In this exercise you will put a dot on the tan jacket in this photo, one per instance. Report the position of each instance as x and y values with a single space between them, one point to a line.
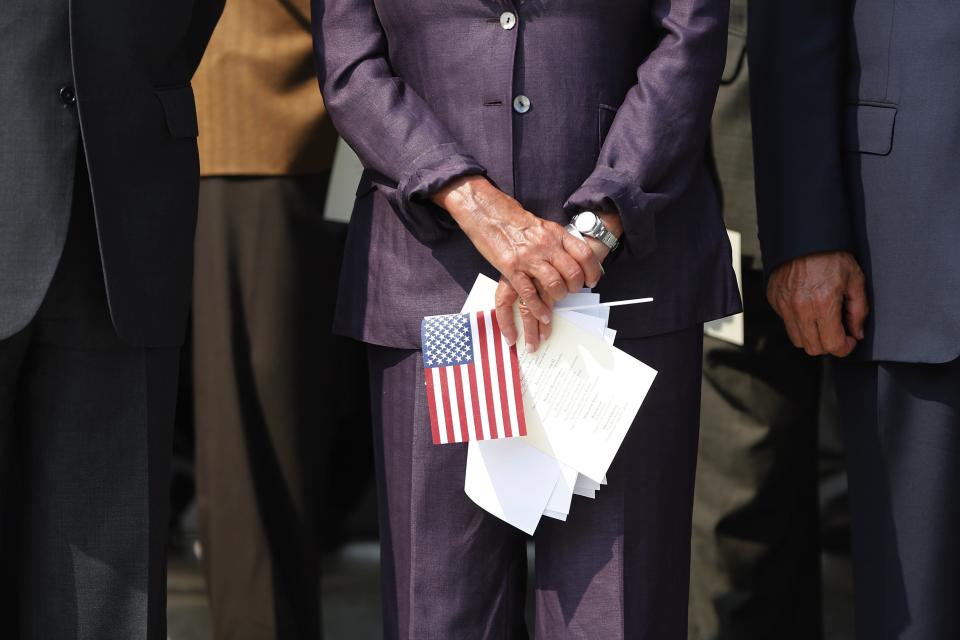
258 102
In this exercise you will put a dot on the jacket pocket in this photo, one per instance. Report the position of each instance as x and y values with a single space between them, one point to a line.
869 128
605 116
180 110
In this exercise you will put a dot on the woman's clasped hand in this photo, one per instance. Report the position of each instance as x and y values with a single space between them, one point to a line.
539 261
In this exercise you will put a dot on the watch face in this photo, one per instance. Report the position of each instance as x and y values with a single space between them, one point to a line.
586 221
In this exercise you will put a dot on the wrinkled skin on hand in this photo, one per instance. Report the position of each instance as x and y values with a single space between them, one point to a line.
540 262
822 300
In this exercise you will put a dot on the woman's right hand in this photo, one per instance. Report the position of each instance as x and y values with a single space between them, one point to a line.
539 259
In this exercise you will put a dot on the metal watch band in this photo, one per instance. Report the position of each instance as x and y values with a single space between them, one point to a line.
599 231
607 238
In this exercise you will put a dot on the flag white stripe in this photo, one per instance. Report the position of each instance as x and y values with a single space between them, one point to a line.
438 401
495 383
454 405
481 385
468 401
511 397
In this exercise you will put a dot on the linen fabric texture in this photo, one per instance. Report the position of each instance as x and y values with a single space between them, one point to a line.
423 93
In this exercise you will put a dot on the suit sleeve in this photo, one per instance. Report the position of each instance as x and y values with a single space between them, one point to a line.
797 51
392 129
659 135
206 13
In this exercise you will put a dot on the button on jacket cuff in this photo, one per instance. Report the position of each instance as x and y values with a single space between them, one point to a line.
609 190
427 174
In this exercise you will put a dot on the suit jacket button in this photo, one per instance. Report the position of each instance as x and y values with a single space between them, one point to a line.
67 95
521 104
508 20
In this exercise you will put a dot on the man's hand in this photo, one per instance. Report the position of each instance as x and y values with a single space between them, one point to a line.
539 260
822 300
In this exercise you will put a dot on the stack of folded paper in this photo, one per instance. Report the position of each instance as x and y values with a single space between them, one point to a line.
579 397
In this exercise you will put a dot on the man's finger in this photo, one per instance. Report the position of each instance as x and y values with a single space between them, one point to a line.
531 329
834 339
505 297
856 308
544 329
583 254
805 312
786 314
793 331
550 281
569 270
529 297
810 335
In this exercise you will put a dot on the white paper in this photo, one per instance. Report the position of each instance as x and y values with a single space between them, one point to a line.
562 494
730 329
609 336
507 478
580 397
511 480
590 323
584 297
585 486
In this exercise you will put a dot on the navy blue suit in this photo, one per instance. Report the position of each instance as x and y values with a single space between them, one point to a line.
856 109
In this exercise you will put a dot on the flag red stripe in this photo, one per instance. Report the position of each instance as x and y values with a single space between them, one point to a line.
484 358
515 365
498 350
445 395
475 401
464 429
432 405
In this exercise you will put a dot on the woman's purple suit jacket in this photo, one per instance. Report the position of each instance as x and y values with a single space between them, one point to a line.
619 101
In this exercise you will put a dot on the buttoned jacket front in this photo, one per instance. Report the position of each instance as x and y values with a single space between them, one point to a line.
113 80
564 104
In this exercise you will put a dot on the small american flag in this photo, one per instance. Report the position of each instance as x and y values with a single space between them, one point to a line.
473 379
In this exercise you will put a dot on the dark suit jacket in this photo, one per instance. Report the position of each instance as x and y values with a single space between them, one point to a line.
620 100
130 64
856 108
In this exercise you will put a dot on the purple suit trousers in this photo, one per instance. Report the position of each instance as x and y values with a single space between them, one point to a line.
617 569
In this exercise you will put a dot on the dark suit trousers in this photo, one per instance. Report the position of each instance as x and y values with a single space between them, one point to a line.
756 524
617 568
902 424
273 390
85 440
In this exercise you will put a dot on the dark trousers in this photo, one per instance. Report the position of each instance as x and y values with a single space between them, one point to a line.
85 437
273 390
902 425
617 568
756 532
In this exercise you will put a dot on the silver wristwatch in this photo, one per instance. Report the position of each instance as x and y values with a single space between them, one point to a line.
589 224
